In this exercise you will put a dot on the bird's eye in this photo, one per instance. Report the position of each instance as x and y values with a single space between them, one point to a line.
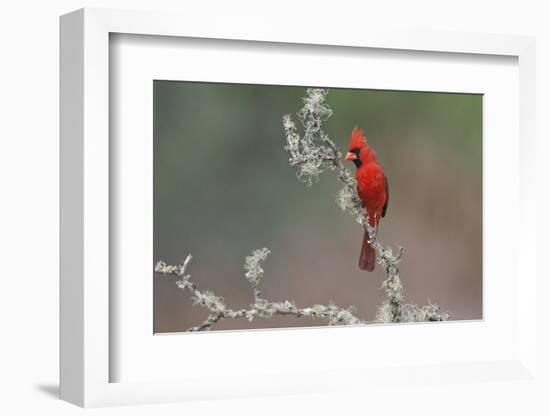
356 151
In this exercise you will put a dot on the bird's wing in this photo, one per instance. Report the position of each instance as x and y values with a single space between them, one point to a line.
385 207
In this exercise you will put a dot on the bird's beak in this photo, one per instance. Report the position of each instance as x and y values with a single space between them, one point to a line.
350 156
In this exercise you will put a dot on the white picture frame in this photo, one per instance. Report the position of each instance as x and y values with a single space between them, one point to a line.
86 355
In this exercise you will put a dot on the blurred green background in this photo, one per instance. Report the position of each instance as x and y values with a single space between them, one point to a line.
222 187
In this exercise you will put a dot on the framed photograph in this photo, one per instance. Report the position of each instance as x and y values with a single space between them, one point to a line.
244 206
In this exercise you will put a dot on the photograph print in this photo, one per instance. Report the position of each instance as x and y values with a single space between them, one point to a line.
295 206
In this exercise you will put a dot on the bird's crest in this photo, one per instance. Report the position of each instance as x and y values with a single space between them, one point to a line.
358 139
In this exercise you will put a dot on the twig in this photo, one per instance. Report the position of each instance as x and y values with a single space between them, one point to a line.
261 308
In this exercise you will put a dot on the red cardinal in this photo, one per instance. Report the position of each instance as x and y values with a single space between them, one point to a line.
372 187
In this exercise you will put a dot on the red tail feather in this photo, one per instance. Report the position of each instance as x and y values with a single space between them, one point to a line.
367 258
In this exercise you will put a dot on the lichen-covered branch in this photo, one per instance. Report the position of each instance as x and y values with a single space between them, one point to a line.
261 308
312 154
